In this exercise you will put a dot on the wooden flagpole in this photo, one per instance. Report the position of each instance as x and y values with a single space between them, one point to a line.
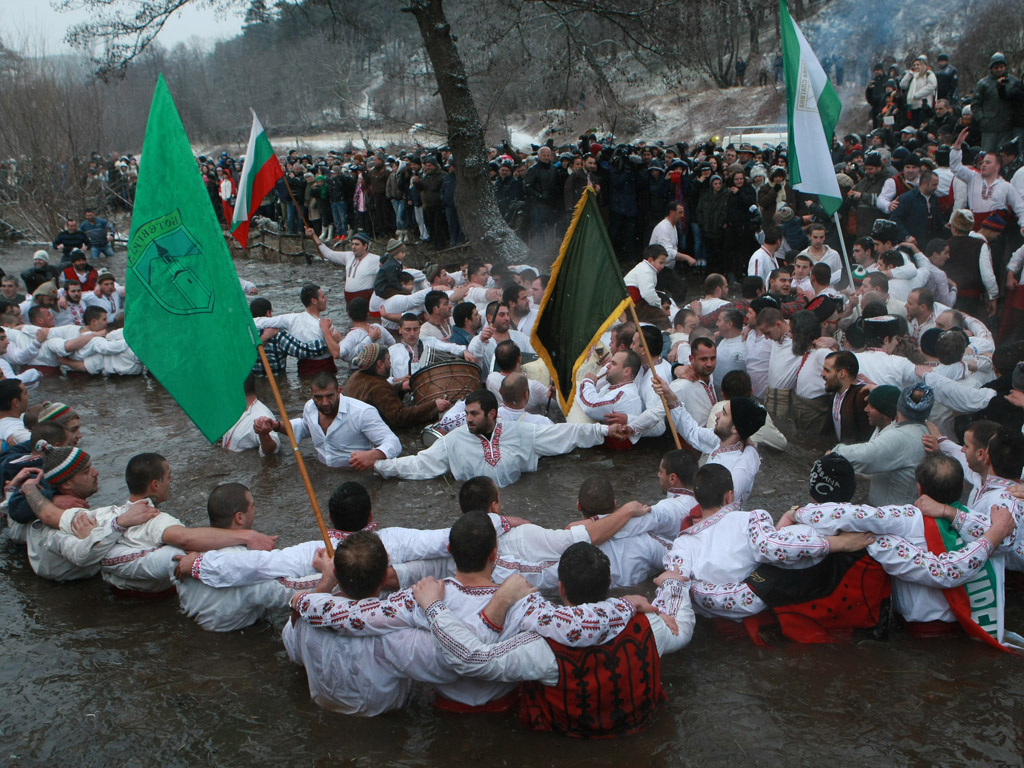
650 359
287 424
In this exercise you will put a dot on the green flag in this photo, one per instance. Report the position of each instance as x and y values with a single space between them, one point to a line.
185 314
584 297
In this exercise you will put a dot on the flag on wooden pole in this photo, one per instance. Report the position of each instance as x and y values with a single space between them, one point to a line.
813 109
585 295
186 317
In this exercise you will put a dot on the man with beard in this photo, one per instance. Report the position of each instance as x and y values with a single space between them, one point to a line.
71 308
865 193
850 398
502 450
345 432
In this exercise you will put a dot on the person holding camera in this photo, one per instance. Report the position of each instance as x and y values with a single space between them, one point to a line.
996 98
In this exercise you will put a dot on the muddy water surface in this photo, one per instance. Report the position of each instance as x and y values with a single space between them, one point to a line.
87 678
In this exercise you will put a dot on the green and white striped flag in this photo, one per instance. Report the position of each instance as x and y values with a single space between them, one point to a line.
813 110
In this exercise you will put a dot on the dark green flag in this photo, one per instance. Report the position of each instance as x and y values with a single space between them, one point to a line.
584 297
185 314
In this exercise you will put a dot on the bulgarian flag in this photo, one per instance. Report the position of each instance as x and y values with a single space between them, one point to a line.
259 175
813 110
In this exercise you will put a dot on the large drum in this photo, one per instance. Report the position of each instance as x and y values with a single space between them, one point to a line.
452 381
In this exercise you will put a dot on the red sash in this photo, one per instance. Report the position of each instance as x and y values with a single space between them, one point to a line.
502 704
603 691
634 293
349 295
856 603
308 367
957 597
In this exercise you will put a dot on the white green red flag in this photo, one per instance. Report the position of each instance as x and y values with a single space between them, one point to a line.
259 174
813 109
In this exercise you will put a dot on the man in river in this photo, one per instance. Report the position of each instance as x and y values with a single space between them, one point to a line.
345 432
488 445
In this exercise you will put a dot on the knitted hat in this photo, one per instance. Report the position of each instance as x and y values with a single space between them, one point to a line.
994 222
394 246
832 479
361 237
41 256
884 399
873 158
920 410
61 463
53 411
1017 378
913 160
785 213
748 415
430 271
78 255
368 356
859 273
962 220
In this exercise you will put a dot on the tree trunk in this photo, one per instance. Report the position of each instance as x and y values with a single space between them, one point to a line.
478 210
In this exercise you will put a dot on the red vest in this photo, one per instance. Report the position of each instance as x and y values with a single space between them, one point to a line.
856 602
603 691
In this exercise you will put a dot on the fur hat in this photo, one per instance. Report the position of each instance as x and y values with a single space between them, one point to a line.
962 220
885 230
49 288
748 415
832 479
881 327
824 307
765 302
929 340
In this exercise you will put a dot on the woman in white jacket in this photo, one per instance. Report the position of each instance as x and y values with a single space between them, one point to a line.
920 85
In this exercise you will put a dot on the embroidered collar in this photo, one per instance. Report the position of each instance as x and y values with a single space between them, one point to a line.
992 482
492 448
676 492
336 534
726 449
704 523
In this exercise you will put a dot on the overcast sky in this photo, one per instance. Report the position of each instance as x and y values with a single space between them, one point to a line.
36 23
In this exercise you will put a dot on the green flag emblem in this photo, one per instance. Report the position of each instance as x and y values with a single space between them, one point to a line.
185 314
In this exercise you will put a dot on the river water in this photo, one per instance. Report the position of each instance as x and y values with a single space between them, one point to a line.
88 678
